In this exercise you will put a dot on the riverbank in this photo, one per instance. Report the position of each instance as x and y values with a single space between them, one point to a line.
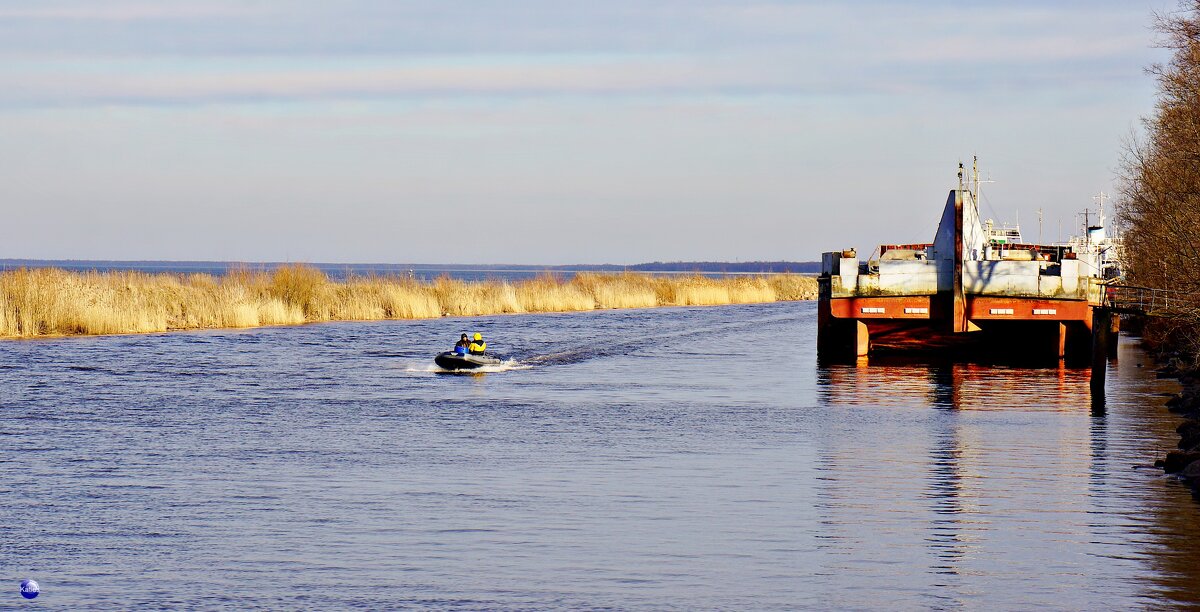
54 302
1185 462
1171 343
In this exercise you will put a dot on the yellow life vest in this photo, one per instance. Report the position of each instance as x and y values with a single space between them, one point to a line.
477 348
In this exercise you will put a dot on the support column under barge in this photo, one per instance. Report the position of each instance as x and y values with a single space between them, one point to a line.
972 292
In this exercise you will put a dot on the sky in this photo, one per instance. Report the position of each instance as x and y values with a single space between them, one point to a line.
549 131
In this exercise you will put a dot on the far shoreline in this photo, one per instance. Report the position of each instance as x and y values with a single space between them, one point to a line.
44 337
49 303
427 271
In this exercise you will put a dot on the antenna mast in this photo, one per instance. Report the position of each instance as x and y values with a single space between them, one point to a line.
975 173
978 184
1100 199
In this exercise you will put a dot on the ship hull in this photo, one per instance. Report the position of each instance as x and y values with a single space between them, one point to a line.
1001 327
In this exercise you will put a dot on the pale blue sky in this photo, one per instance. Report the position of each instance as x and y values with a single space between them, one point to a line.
549 132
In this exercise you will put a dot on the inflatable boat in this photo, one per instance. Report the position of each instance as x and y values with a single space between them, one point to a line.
451 360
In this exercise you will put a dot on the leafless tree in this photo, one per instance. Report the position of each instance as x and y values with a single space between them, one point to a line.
1160 184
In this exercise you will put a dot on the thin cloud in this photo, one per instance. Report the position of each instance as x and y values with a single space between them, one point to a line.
128 12
917 71
78 54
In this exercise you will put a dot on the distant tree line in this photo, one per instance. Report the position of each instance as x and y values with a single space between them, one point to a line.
342 269
757 267
1160 186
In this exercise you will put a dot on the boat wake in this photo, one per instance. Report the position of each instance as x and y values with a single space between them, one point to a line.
556 354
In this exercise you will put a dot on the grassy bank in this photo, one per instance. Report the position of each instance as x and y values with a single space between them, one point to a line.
50 302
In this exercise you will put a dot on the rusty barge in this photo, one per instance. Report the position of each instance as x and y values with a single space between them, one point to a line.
975 290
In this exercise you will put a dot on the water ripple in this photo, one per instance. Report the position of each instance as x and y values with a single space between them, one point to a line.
668 459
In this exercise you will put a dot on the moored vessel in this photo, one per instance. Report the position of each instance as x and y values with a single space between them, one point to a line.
976 288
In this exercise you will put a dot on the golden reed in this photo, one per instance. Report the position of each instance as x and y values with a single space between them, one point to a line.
52 302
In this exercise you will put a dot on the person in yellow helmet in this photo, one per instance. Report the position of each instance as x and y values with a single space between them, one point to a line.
478 346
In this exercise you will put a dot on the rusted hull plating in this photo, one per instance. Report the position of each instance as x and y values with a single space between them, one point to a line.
1011 327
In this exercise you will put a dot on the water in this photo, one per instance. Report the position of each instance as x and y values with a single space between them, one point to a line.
667 459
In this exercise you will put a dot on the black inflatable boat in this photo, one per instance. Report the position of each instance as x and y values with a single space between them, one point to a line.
455 361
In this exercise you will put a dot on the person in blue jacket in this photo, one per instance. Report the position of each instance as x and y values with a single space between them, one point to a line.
463 345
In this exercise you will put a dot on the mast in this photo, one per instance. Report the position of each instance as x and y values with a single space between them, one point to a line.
975 174
1100 199
977 183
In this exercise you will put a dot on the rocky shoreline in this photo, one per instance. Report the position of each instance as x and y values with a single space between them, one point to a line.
1185 462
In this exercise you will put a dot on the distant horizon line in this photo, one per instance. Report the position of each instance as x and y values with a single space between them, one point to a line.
8 262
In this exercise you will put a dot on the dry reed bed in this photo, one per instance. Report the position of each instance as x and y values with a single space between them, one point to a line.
51 302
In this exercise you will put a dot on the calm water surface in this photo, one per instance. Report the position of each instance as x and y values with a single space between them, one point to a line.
666 459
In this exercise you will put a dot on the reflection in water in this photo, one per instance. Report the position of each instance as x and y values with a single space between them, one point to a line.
1024 476
963 386
944 490
680 461
1177 570
1167 529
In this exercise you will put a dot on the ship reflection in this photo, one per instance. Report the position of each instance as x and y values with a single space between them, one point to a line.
998 470
957 464
884 381
948 541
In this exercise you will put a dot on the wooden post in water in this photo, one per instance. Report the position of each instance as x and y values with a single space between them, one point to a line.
1101 332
